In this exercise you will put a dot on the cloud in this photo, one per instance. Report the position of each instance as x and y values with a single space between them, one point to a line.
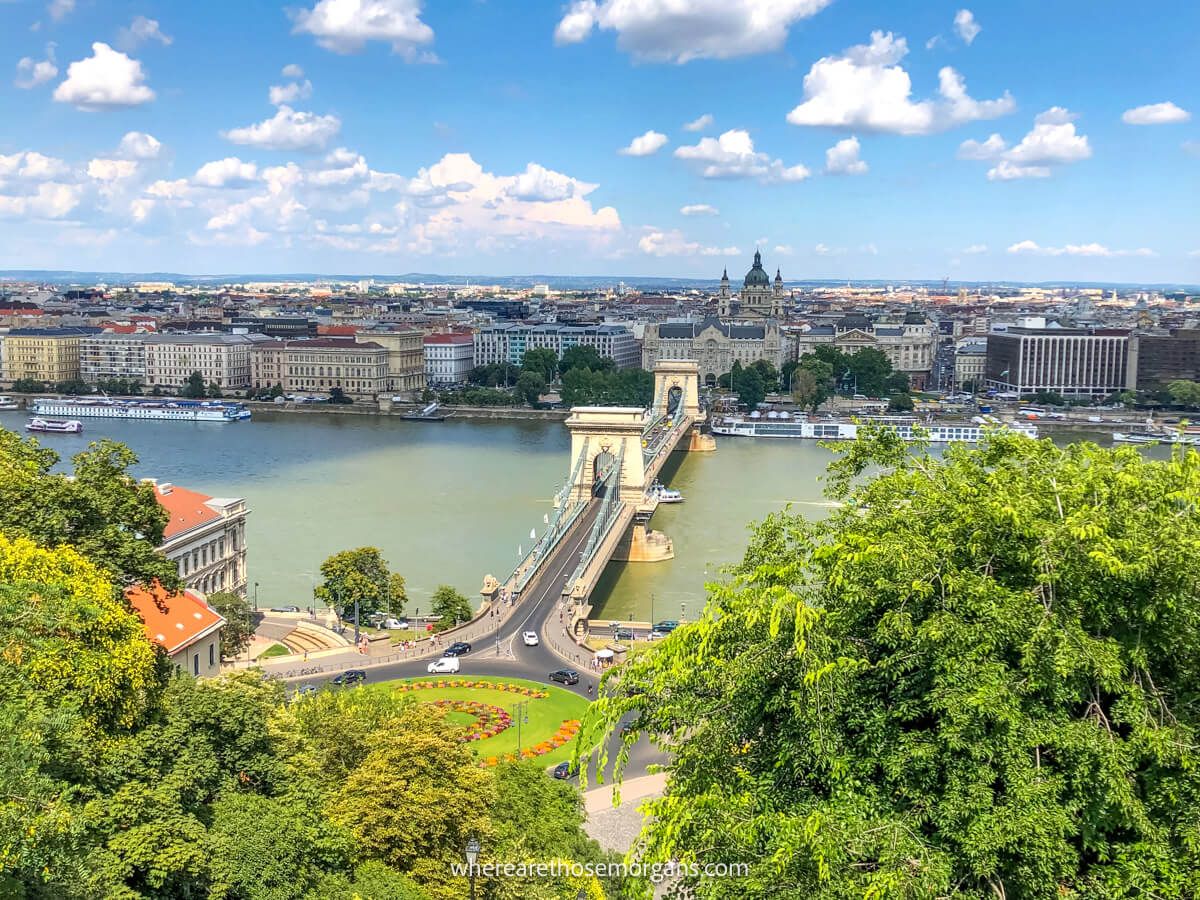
699 209
975 249
699 124
966 26
732 155
287 130
540 184
645 144
138 145
225 173
293 71
142 30
1028 247
108 79
671 31
784 249
50 200
992 148
32 166
286 94
825 250
842 158
1053 140
60 9
112 169
33 72
656 242
1007 171
866 88
1155 114
345 26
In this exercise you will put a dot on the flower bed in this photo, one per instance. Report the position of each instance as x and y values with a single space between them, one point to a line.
406 686
489 720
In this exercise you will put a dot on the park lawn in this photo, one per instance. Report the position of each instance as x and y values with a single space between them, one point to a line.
545 714
274 650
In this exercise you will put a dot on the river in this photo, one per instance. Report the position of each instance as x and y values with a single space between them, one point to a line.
450 502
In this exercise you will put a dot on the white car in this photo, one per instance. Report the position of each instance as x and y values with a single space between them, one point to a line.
530 638
393 624
444 666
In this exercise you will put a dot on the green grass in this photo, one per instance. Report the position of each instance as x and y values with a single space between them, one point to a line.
545 714
274 650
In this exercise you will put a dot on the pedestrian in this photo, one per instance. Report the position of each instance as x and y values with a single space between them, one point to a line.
306 656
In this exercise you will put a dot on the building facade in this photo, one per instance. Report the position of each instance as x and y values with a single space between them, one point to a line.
910 345
318 365
48 355
715 345
758 298
1157 359
206 537
1073 362
221 359
405 358
970 363
449 359
509 343
103 356
185 626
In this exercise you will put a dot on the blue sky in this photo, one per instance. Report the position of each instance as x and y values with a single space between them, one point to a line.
1001 140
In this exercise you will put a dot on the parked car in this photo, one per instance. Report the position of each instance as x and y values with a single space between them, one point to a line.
350 676
623 634
458 648
565 770
666 626
394 624
445 666
565 676
306 689
285 609
530 638
656 635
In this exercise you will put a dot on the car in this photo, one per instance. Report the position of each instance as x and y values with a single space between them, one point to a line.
623 634
530 638
565 676
288 609
392 624
565 770
444 666
656 635
666 626
350 676
458 648
306 689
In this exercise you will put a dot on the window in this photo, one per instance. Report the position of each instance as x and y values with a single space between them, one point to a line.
195 663
211 654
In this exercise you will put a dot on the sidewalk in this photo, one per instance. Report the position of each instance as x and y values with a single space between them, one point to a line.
616 828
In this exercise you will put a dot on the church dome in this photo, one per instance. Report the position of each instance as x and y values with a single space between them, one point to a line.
757 276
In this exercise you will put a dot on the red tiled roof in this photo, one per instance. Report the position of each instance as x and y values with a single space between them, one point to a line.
337 330
187 509
449 339
172 620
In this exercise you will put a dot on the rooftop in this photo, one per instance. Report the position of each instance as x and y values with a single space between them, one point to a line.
172 621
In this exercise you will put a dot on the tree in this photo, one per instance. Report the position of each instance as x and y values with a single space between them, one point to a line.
452 606
542 361
214 390
397 594
276 390
28 386
871 369
355 575
194 387
238 629
900 402
585 356
1184 393
101 510
750 388
530 386
970 386
768 373
977 678
337 395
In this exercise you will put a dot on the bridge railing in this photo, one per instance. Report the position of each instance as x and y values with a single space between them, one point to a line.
565 513
610 510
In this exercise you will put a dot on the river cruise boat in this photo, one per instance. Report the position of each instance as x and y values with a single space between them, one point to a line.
1152 437
54 426
167 408
9 403
664 494
832 430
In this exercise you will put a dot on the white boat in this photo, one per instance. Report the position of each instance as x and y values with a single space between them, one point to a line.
169 409
830 430
9 403
55 426
664 494
1149 437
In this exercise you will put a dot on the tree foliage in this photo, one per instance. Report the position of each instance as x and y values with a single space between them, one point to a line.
451 606
194 387
530 386
979 677
238 629
607 387
542 361
360 575
1184 393
585 356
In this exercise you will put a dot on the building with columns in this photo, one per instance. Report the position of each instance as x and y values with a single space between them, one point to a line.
206 537
758 298
716 345
910 344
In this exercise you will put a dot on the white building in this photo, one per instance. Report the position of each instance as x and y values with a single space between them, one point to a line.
509 343
223 359
910 345
206 537
715 345
449 359
104 356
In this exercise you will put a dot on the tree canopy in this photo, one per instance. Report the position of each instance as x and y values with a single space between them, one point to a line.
238 629
451 606
360 575
585 356
979 677
607 387
542 361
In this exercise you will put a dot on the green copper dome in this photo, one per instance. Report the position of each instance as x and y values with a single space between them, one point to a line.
757 277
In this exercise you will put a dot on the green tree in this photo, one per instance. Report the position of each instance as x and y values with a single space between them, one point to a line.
530 386
812 383
900 402
100 510
871 370
238 629
750 388
355 575
542 361
451 606
397 594
214 390
584 356
977 678
74 386
337 395
276 390
28 386
194 388
1184 393
768 373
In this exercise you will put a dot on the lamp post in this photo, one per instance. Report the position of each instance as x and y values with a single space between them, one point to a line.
256 596
682 611
472 854
521 714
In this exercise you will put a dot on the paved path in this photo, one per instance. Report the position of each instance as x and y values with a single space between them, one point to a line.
617 827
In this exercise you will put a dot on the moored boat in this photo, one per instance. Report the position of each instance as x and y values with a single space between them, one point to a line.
9 403
833 430
168 409
1153 437
664 494
54 426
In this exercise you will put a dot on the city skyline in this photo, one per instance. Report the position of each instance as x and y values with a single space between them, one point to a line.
983 143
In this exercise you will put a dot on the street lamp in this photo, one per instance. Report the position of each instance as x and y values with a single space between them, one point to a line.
256 596
682 611
472 853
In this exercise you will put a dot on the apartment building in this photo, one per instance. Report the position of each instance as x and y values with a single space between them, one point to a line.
1035 356
206 537
318 365
970 362
910 344
509 343
449 359
103 356
223 359
48 355
405 357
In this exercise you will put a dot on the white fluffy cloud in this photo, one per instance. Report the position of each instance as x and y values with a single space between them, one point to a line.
345 26
732 155
288 129
228 172
32 72
975 249
60 9
142 30
286 94
49 200
699 209
866 88
842 158
966 26
674 31
1034 249
645 144
108 79
699 123
32 166
292 70
139 145
657 242
1053 140
992 148
1155 114
112 169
